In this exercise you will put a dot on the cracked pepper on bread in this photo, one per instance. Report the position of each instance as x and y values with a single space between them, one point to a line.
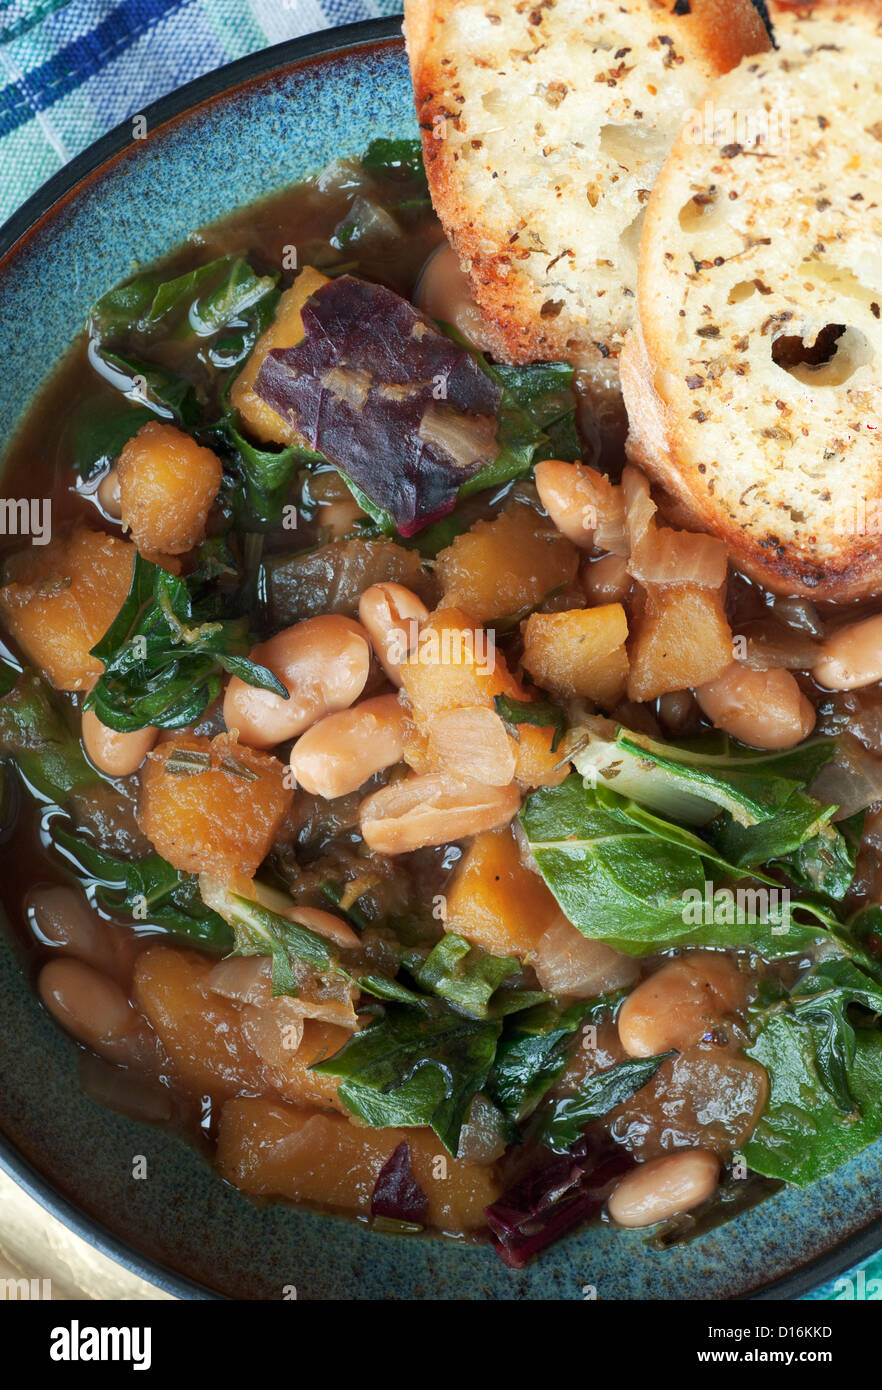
544 126
753 381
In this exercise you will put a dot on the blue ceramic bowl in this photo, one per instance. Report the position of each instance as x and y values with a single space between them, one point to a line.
217 144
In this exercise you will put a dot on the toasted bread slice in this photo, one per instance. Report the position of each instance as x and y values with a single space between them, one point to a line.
544 126
754 381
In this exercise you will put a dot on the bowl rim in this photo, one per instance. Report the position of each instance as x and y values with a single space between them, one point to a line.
39 207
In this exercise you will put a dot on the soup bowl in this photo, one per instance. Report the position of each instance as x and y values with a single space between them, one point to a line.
222 142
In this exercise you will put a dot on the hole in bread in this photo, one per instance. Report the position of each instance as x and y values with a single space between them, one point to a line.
703 211
631 146
830 358
743 290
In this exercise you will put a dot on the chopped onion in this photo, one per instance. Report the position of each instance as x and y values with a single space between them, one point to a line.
798 613
661 555
568 963
466 439
852 781
769 644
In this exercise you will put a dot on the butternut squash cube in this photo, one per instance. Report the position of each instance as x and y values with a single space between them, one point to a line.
580 652
212 805
167 483
537 765
271 1149
198 1029
681 639
496 902
502 566
61 599
285 330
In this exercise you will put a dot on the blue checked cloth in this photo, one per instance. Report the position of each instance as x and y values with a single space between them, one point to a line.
72 69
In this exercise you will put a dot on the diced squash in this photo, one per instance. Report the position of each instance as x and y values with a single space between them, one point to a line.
212 805
501 567
289 1067
496 902
61 599
580 652
537 765
167 483
454 665
199 1029
276 1150
681 639
285 330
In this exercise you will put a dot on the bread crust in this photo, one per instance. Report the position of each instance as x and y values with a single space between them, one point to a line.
529 318
785 529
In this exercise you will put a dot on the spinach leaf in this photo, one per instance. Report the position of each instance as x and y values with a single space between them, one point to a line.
149 890
163 658
542 713
827 862
534 1050
596 1096
415 1067
239 290
33 732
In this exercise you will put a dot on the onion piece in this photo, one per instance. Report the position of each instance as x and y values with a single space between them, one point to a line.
769 644
852 780
568 963
661 555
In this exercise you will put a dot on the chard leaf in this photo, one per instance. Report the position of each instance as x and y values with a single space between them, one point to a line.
163 656
99 435
415 1068
626 876
692 782
825 1073
149 890
392 157
160 390
259 932
239 290
461 973
33 732
803 1133
596 1096
266 474
542 713
534 1050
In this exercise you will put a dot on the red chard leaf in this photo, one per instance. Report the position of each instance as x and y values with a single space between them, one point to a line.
397 1194
399 408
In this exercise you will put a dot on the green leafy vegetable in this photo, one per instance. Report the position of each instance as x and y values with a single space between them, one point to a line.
825 1073
157 388
461 973
200 301
163 657
534 1050
389 157
542 713
259 932
415 1067
149 890
596 1096
46 751
99 435
628 877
